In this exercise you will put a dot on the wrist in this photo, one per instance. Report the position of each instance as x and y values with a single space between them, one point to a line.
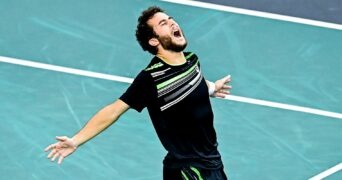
211 88
74 142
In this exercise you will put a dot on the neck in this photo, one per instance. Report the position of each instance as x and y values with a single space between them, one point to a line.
171 57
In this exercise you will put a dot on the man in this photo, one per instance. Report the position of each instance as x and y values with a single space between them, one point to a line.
176 96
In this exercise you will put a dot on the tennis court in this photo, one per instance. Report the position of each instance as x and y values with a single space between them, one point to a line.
49 51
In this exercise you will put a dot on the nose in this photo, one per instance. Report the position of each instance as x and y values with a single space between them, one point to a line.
172 23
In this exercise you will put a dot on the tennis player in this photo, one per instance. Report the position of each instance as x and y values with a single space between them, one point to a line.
176 95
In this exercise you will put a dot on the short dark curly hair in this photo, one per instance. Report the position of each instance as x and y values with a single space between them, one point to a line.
144 32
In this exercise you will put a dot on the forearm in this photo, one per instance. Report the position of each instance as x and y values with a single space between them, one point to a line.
100 121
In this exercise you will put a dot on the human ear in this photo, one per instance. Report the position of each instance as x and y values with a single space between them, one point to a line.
153 42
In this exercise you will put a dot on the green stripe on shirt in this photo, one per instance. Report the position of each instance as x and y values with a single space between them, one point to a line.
163 84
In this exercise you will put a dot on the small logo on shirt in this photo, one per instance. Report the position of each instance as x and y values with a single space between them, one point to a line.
154 66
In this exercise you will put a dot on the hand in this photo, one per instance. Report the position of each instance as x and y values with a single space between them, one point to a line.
63 148
222 88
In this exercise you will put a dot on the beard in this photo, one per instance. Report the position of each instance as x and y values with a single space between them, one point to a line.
167 43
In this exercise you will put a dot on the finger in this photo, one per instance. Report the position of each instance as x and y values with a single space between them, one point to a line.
221 95
228 77
52 153
224 92
60 160
61 138
54 157
226 87
49 147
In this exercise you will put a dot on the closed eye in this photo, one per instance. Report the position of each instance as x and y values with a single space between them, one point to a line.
162 22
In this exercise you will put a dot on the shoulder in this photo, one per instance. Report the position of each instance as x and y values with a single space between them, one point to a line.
192 58
142 76
190 55
154 64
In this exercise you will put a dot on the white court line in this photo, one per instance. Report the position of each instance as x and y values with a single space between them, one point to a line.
284 106
257 13
327 172
64 69
130 80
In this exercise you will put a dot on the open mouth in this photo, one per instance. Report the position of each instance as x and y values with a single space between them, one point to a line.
177 33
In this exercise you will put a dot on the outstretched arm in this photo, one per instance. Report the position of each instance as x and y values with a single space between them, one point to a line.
220 88
99 122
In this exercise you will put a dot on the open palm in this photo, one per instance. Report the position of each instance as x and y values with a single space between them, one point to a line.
222 88
61 149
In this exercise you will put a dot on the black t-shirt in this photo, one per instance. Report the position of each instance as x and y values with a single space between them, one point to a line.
178 103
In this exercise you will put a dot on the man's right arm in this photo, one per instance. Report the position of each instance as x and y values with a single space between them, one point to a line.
98 123
102 120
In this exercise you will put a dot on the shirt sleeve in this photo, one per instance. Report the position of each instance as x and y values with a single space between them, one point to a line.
139 93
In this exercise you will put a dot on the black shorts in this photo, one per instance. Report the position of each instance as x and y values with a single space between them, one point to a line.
193 173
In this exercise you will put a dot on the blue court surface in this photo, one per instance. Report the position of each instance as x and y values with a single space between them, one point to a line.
48 88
